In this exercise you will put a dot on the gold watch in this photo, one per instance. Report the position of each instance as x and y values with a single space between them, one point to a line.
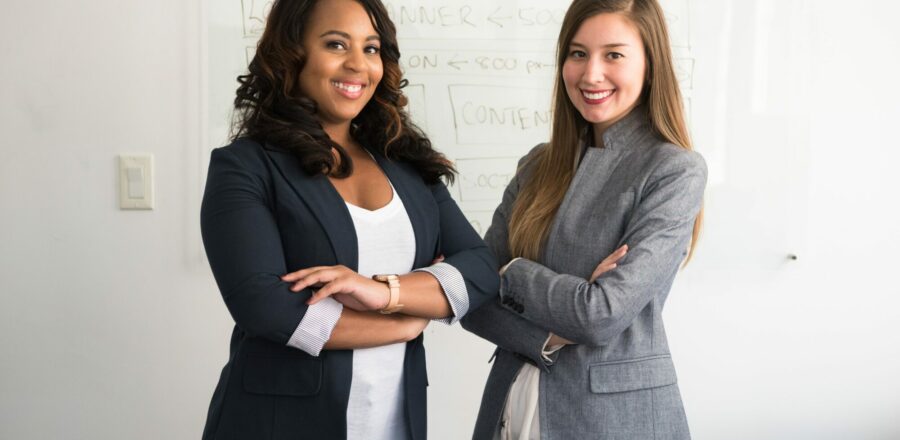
393 282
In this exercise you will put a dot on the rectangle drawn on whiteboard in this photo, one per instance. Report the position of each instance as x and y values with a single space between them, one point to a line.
255 13
523 19
250 52
677 14
684 73
484 179
492 63
500 115
415 93
479 219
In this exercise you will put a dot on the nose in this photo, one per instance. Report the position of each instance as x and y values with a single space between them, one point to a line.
355 60
594 71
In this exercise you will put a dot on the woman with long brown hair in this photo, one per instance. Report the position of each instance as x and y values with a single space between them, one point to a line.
323 221
581 349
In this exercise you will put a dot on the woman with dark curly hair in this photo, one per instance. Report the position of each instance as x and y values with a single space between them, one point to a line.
324 221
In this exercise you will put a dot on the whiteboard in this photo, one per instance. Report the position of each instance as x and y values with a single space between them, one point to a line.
782 326
480 79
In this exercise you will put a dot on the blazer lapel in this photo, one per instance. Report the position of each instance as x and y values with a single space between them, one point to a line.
407 187
325 204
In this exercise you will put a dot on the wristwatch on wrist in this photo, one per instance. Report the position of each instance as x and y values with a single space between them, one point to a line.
393 282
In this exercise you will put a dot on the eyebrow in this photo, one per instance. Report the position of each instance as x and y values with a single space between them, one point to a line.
347 36
606 46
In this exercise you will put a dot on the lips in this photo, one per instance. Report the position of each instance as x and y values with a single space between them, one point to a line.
349 89
594 97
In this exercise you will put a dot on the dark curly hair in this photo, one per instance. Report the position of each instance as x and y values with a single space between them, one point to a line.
269 106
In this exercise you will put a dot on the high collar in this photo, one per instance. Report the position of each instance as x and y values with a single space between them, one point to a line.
623 132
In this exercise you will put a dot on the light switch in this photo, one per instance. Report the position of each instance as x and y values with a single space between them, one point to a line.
136 181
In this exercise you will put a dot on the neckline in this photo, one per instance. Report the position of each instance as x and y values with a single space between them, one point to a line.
386 207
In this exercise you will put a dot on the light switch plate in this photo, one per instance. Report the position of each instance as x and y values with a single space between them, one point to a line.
136 181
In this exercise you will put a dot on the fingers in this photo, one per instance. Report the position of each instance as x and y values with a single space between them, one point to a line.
616 255
601 269
300 274
314 279
558 340
329 289
294 276
313 276
609 263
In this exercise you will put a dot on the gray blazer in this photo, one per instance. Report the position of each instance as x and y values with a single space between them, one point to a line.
618 381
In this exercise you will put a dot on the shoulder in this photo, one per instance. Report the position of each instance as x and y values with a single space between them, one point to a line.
243 163
664 158
244 149
244 153
528 159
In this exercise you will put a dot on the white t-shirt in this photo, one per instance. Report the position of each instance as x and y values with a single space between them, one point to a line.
387 244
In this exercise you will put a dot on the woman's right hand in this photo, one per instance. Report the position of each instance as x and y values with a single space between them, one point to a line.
558 340
609 263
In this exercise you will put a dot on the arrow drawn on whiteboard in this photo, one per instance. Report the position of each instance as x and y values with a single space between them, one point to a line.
494 18
454 62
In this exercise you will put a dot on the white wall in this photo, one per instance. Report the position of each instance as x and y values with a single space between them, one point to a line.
111 326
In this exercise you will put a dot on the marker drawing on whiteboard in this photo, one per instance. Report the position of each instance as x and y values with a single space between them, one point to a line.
255 13
497 115
484 179
479 62
495 17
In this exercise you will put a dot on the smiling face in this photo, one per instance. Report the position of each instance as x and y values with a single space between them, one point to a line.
343 61
604 70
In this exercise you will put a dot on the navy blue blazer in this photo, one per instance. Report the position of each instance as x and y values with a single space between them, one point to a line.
263 216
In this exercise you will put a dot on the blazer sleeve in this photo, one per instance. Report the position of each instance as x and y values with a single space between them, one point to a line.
465 251
503 327
657 235
244 249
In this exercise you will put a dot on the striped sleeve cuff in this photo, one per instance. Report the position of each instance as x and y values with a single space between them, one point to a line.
549 350
454 287
316 326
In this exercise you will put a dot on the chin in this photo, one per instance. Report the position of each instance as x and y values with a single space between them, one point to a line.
596 119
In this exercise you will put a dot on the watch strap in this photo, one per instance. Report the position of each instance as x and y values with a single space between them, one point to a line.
393 282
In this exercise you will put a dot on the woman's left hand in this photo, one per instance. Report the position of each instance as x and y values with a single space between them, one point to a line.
346 286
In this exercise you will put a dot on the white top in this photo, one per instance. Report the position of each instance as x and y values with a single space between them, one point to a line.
387 244
521 415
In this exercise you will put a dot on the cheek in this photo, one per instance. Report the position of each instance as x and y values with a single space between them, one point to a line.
375 67
377 74
569 75
639 77
311 75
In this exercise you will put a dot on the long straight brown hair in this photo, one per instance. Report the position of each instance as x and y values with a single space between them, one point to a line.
552 167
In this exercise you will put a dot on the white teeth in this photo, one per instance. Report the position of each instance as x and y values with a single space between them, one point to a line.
352 88
600 95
